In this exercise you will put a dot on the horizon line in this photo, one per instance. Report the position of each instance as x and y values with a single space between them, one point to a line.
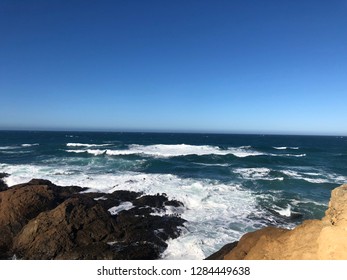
172 132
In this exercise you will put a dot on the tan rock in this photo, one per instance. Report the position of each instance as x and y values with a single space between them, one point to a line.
324 239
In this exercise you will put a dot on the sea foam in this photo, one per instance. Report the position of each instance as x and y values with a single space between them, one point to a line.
86 145
127 205
260 173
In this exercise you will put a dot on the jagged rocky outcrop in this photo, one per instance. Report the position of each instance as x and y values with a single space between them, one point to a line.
39 220
324 239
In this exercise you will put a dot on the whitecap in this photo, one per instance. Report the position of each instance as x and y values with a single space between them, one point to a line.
308 201
30 145
337 179
94 152
14 152
258 173
161 150
213 164
315 178
286 212
244 151
8 147
292 155
86 145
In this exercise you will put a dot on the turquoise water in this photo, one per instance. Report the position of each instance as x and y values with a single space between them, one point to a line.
230 184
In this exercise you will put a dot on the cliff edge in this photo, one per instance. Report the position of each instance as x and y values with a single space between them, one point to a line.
324 239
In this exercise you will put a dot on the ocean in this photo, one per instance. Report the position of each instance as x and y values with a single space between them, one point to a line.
229 184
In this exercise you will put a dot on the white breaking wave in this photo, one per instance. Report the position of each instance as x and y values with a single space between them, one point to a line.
15 152
259 173
316 178
212 164
8 147
307 201
89 151
30 145
86 145
162 150
245 151
287 212
291 155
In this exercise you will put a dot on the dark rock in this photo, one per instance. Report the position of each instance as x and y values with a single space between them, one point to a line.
174 203
3 175
136 251
93 251
124 195
156 201
147 228
109 200
296 216
3 185
137 211
219 255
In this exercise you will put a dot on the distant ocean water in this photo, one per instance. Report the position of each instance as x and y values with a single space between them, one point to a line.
229 184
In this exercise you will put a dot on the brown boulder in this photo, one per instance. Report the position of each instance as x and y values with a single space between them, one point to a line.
21 203
76 223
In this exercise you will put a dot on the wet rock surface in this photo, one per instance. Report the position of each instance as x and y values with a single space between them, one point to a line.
39 220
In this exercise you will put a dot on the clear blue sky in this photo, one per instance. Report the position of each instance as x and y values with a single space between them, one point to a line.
220 66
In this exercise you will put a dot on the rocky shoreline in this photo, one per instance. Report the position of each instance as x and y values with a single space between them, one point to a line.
40 220
324 239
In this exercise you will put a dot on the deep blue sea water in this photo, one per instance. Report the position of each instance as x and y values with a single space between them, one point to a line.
229 184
